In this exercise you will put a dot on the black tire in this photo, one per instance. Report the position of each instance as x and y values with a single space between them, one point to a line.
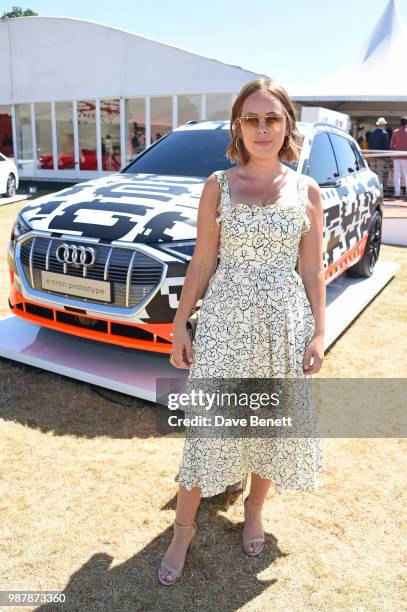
365 266
11 186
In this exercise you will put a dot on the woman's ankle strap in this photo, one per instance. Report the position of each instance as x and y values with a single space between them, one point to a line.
250 502
183 525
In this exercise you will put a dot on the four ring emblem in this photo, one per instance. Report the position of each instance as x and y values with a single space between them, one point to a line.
75 254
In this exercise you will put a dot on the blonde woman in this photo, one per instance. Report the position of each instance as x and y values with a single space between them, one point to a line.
259 318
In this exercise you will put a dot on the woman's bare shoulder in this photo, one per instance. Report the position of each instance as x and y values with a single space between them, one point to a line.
314 190
314 195
211 186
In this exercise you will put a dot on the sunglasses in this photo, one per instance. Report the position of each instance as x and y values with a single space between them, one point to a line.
273 120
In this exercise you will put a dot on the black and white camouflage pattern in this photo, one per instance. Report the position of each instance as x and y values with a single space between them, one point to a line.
131 207
149 209
348 209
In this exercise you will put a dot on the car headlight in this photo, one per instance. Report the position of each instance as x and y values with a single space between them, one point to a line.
183 248
19 228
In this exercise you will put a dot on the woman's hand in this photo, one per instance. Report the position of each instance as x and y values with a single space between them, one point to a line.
181 356
315 349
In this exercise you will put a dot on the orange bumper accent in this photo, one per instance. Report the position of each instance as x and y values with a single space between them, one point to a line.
158 331
346 261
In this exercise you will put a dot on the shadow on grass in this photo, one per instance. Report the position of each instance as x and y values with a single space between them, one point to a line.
48 402
216 571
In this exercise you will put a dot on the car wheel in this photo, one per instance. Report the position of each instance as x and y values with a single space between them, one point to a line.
366 265
11 186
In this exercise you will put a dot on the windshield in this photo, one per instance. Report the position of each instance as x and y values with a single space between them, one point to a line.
186 153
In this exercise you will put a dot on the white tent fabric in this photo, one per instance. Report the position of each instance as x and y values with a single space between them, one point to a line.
62 58
376 72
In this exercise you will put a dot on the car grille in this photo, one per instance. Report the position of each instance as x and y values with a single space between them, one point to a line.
112 264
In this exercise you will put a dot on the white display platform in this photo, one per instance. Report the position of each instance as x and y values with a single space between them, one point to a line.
346 297
15 198
394 231
135 372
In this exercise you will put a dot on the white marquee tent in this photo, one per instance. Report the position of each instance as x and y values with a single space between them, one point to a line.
58 58
373 81
67 84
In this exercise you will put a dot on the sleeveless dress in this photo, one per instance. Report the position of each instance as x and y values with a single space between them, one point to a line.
255 322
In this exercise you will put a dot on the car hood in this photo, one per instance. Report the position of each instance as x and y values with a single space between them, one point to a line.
129 207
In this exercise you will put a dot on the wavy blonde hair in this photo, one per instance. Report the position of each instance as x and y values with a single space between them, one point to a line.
290 151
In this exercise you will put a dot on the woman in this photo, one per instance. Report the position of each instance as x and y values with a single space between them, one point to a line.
259 318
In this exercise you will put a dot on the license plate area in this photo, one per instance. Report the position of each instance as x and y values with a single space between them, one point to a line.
67 284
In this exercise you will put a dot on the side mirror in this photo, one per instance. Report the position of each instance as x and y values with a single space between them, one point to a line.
333 183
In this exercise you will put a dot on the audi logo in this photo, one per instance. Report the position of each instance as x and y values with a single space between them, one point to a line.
75 255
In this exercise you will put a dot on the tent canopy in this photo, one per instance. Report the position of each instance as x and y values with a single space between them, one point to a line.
376 73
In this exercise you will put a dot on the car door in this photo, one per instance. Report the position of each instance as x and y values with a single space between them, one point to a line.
352 190
322 166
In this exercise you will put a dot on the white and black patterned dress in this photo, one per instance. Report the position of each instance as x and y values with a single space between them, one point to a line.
255 322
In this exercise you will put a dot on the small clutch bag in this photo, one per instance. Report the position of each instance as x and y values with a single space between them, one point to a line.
192 323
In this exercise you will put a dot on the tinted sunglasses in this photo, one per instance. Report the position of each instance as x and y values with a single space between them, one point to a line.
272 120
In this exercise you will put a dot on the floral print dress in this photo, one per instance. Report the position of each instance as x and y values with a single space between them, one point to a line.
255 322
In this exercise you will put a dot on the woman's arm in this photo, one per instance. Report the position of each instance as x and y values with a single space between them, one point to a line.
204 259
200 269
311 269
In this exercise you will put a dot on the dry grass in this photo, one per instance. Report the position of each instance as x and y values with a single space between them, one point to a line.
88 495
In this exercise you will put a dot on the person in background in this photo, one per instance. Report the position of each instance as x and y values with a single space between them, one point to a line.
135 141
142 142
362 141
398 142
378 140
7 141
7 145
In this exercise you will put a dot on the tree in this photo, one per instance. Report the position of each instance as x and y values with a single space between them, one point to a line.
17 11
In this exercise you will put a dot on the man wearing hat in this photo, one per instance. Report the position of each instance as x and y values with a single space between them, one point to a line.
378 139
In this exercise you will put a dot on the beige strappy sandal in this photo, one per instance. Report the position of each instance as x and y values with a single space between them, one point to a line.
177 571
260 539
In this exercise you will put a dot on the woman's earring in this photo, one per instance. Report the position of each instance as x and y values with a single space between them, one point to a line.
237 145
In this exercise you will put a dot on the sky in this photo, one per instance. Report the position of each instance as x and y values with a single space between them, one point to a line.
298 42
